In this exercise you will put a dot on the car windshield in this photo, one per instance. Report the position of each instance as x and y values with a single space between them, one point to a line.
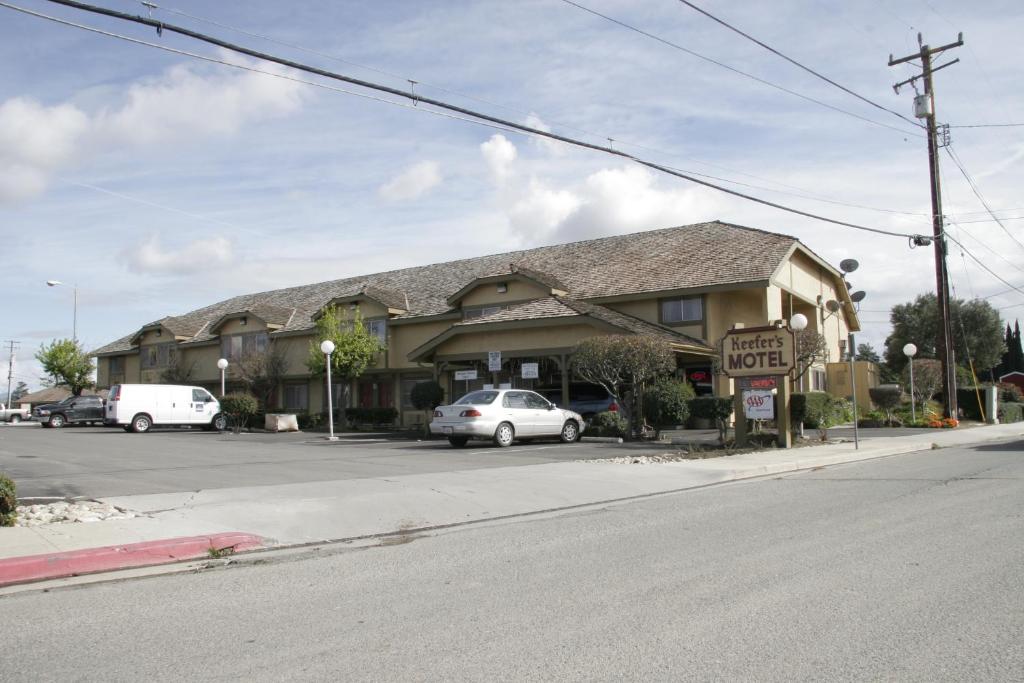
478 398
69 399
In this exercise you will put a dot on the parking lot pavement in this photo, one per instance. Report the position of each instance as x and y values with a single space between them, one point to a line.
93 462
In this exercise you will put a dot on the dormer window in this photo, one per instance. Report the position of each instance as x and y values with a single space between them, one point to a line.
481 311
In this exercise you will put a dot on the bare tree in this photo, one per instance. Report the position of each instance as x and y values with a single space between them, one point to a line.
261 372
811 347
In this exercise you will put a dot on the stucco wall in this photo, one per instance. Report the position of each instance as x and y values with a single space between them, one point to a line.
518 290
402 339
539 338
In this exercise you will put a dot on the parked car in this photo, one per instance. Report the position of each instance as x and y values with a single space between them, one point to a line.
72 410
138 407
586 399
13 415
504 415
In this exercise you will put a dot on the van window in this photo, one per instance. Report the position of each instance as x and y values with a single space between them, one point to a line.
199 395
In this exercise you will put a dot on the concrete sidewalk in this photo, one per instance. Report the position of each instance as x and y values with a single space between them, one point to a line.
292 514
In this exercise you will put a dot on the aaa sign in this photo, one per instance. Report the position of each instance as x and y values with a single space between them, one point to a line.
758 351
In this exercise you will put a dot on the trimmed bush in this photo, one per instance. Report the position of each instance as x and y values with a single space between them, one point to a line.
1011 412
888 397
807 407
666 404
426 396
608 423
8 501
718 409
239 409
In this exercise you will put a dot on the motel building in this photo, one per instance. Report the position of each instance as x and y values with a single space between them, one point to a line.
688 285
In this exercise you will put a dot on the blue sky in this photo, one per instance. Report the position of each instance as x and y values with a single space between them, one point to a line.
158 182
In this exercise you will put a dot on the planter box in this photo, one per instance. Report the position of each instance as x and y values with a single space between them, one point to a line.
281 422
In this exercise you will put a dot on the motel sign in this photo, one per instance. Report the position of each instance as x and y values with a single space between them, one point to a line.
758 351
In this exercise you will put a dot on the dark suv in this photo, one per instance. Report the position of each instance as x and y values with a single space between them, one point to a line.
73 409
586 399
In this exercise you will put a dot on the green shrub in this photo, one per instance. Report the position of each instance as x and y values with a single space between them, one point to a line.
888 397
666 403
1010 393
239 408
309 420
426 396
608 423
718 409
808 407
1011 412
8 501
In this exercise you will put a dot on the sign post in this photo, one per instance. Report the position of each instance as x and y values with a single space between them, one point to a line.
761 359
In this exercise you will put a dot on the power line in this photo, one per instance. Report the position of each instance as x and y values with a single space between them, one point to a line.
991 125
688 51
474 117
986 268
977 193
798 64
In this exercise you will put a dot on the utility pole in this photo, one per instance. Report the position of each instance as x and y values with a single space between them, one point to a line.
924 107
11 345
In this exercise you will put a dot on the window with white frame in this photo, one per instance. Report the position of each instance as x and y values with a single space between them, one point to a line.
684 310
234 346
818 380
157 355
377 327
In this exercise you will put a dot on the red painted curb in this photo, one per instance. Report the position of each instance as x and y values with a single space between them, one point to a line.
91 560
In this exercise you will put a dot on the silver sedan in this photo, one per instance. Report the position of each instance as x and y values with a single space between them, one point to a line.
504 415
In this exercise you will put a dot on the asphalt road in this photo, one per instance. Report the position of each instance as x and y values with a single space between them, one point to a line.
905 568
98 462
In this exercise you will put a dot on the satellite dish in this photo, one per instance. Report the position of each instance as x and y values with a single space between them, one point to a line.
832 305
848 265
857 297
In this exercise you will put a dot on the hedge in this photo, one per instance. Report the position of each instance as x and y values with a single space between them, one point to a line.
967 401
806 407
1011 412
8 501
373 416
608 423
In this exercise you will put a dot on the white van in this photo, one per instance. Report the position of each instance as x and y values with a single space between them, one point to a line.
137 407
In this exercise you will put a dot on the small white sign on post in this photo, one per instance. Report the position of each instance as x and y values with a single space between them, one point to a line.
488 386
495 361
531 370
758 404
465 374
505 385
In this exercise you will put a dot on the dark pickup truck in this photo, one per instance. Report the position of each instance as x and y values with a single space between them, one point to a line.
72 410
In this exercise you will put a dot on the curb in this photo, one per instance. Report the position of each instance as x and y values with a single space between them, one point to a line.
91 560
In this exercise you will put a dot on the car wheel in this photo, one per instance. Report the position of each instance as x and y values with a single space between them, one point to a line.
56 421
570 432
219 422
458 441
504 435
141 424
15 419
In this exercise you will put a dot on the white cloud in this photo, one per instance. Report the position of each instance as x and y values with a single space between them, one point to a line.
34 141
151 257
499 154
539 211
413 182
186 103
552 147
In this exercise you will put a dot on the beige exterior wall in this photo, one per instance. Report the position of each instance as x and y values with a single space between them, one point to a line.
867 377
645 309
403 339
518 290
539 338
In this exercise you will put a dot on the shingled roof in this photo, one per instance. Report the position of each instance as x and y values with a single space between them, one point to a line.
691 256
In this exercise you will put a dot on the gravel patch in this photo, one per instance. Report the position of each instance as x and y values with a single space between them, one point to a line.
63 512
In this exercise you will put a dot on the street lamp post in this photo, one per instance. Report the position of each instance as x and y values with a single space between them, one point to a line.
910 350
223 365
327 346
74 319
